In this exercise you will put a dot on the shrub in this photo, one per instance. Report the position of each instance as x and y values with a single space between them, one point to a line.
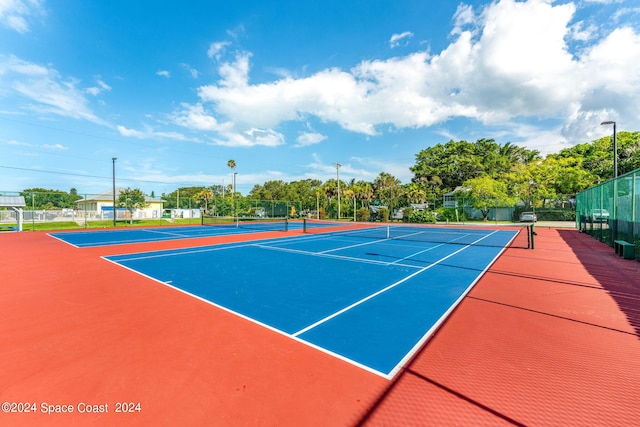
406 214
449 215
363 214
422 217
383 214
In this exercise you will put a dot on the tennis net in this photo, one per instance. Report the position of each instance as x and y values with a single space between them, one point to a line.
261 224
516 236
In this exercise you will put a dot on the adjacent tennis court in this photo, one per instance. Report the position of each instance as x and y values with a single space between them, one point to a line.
369 296
83 239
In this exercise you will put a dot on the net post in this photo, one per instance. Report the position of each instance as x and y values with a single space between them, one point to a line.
304 225
533 234
286 224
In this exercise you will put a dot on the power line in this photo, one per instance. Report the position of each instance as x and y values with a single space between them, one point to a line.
87 176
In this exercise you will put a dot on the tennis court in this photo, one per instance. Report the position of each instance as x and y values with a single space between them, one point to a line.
544 337
369 296
83 239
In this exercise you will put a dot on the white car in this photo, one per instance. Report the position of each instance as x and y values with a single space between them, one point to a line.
600 215
528 217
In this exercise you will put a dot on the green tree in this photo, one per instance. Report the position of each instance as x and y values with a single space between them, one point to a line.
132 200
204 197
42 198
597 156
386 189
443 167
363 191
485 193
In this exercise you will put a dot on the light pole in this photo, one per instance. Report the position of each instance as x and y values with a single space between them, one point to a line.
234 195
338 175
113 160
615 148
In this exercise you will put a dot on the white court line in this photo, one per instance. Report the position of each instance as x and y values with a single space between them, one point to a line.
357 303
324 254
207 248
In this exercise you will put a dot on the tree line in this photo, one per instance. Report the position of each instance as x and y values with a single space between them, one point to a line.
482 170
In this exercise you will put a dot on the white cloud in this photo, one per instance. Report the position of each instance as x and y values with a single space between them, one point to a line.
96 90
194 117
309 138
215 49
57 147
463 16
194 73
18 143
130 132
44 89
149 133
163 73
400 39
250 138
14 14
510 61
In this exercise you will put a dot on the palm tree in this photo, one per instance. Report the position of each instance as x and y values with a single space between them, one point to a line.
364 192
206 196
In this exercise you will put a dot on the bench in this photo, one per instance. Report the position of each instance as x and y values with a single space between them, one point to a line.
624 249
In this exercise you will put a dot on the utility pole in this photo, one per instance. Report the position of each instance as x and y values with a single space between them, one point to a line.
113 160
338 164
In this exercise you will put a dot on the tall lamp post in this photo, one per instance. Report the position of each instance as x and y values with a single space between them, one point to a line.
234 195
338 164
615 148
113 160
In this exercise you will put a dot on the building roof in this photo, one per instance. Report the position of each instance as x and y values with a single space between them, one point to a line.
12 201
107 196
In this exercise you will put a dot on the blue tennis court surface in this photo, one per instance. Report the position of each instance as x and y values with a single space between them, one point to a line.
371 302
83 239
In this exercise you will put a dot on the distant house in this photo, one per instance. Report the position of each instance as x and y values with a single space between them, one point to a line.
100 206
450 199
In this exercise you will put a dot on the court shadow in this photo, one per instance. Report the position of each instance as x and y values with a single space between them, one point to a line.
619 277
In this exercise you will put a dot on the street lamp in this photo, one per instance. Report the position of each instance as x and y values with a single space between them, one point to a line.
338 164
234 195
113 160
615 148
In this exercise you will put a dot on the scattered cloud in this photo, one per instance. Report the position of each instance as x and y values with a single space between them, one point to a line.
96 90
42 89
194 73
463 16
149 133
163 73
309 138
56 147
401 39
18 143
216 48
15 14
506 62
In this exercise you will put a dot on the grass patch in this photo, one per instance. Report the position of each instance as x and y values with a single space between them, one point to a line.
71 225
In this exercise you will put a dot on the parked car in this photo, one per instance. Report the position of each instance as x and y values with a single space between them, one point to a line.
600 215
528 217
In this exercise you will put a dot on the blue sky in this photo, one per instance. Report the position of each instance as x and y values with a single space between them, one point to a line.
288 88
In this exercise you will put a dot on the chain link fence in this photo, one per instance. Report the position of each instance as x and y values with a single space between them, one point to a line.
72 210
609 211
